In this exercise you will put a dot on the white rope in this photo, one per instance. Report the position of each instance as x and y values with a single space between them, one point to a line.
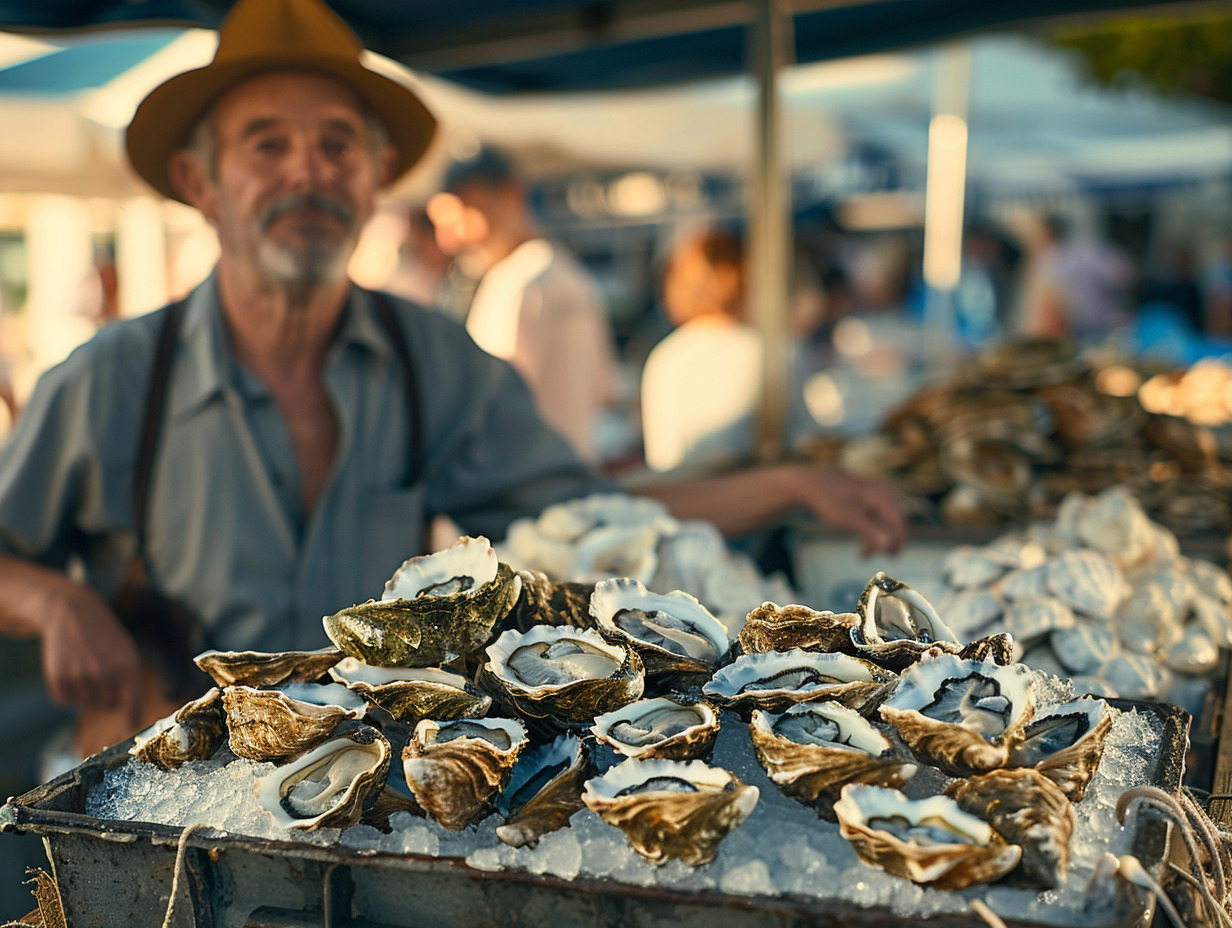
991 918
180 849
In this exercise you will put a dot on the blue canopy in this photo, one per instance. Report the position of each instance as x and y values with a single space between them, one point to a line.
561 45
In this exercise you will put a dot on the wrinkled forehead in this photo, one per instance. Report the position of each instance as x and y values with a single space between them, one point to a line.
286 96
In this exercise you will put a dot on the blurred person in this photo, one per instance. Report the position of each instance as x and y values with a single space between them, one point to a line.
422 264
232 467
702 383
1075 287
533 305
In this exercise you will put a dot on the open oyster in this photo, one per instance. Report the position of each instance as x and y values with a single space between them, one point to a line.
961 716
410 694
562 676
930 841
328 786
1065 744
672 632
434 609
773 680
267 668
269 725
897 624
771 627
662 727
671 809
193 733
628 550
543 792
1027 809
814 749
456 769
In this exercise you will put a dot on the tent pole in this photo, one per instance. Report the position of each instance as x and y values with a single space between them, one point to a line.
770 49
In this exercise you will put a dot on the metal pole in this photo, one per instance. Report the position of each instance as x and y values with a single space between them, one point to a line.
770 48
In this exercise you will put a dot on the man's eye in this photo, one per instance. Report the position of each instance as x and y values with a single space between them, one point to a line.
336 148
269 146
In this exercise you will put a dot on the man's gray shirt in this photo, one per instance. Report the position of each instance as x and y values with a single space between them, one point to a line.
226 536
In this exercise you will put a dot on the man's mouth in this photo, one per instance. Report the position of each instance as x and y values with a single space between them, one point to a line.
308 206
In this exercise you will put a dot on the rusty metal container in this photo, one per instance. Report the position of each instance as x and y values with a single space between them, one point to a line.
120 873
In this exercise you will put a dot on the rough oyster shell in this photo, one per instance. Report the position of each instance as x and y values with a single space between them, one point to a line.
1065 744
456 769
261 668
435 608
671 809
998 648
1027 809
1083 648
328 786
771 627
543 792
673 633
411 694
561 676
548 602
193 733
967 566
269 725
773 680
1087 582
813 750
961 716
662 727
617 551
897 624
1031 619
929 841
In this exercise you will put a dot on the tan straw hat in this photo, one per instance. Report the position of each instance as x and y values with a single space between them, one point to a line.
271 35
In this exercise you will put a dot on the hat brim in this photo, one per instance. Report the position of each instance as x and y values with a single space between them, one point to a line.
168 115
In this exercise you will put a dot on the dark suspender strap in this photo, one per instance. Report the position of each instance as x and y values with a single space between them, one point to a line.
152 424
410 386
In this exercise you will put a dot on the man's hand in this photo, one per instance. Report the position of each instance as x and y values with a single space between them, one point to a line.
89 658
865 507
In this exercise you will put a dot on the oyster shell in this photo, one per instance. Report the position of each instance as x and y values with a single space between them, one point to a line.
193 733
1083 648
543 792
662 727
970 611
262 668
617 551
998 648
411 694
329 785
961 716
671 809
1027 809
269 725
1087 582
813 750
456 769
1031 619
548 602
929 841
561 676
773 680
434 609
1065 744
673 633
897 624
771 627
967 566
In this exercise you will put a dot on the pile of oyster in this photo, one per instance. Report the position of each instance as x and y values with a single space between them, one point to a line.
1025 424
470 689
1101 594
613 535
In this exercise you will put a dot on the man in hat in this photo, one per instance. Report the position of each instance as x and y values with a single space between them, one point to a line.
268 451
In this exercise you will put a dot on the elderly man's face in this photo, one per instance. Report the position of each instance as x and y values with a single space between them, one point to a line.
294 176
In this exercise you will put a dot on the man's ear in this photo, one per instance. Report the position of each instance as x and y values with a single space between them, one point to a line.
190 179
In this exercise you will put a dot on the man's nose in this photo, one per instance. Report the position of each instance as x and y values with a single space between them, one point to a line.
306 163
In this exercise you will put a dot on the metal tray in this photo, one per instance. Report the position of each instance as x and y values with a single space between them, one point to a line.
120 873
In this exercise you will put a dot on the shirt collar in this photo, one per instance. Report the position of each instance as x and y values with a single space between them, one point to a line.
206 366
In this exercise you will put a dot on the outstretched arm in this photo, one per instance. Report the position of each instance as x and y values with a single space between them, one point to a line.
89 659
746 500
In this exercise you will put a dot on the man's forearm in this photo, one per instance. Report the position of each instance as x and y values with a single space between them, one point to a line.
737 503
26 587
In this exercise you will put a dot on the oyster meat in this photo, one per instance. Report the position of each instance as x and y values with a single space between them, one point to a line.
961 716
329 785
929 841
673 633
897 624
457 769
813 750
434 609
562 676
668 809
662 727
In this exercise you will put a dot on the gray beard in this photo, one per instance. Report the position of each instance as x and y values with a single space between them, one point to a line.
312 266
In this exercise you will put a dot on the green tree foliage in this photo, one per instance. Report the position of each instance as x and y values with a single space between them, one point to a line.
1176 54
